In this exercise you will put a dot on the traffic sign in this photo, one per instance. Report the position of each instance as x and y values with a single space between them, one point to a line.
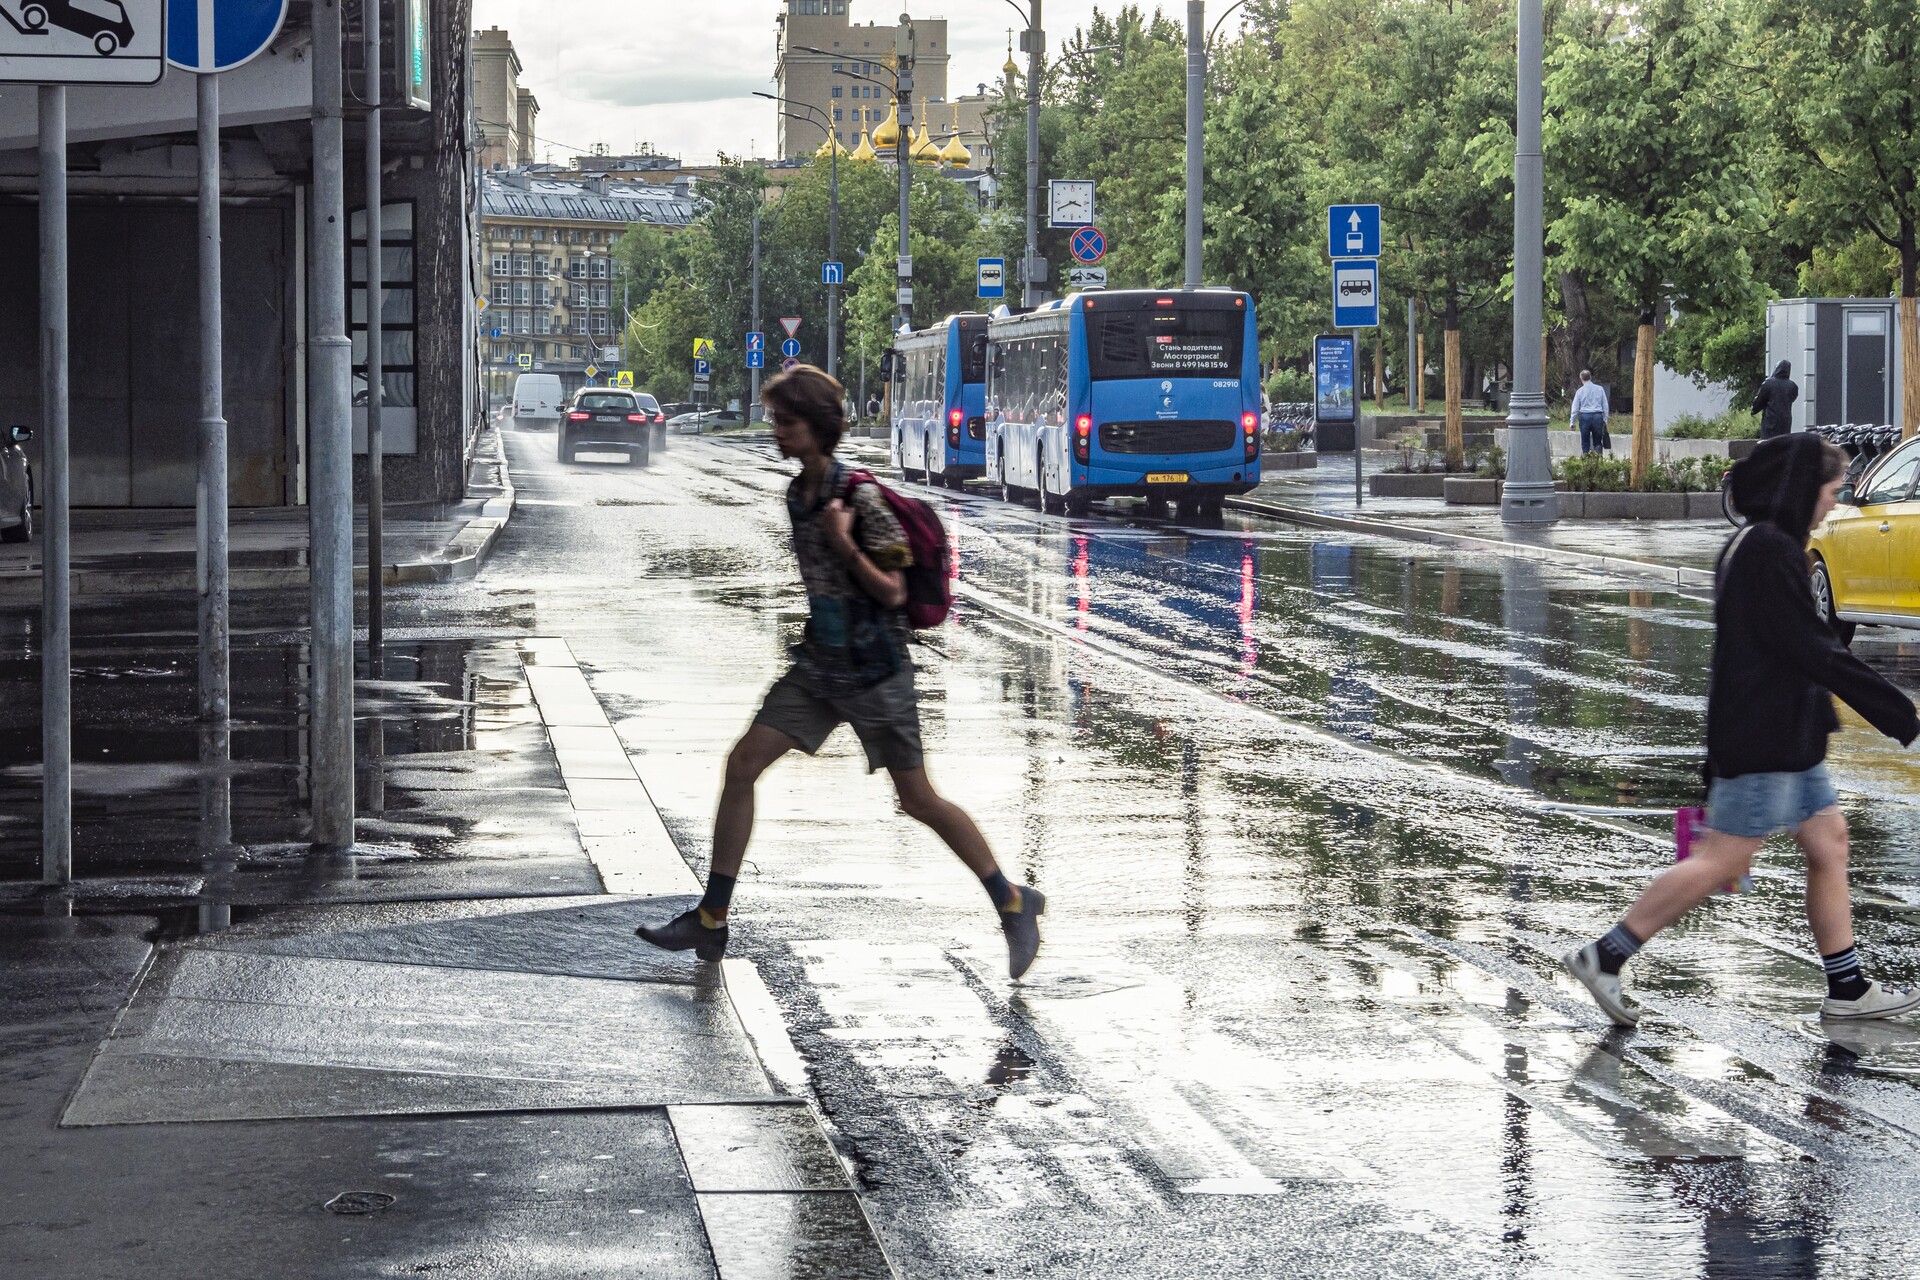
992 274
1087 277
833 273
480 303
788 363
624 378
1089 244
496 333
756 342
1356 294
524 360
790 348
756 359
791 324
58 42
593 371
219 35
1353 231
702 347
701 368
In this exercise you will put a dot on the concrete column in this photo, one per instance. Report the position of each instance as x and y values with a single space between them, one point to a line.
1528 496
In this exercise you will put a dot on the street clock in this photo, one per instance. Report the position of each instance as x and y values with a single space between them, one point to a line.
1070 202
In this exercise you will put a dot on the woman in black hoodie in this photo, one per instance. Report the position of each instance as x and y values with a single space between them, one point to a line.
1776 667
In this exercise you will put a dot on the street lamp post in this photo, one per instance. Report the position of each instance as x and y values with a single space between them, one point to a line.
903 153
1197 128
1033 268
833 217
1528 497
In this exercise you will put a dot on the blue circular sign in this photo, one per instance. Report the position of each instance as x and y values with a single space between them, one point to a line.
790 348
1089 244
219 35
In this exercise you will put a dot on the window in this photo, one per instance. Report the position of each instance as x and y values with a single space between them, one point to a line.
1890 482
395 290
599 322
502 294
522 264
836 66
542 294
539 233
836 110
579 298
502 264
1158 342
598 295
517 233
522 322
836 91
523 292
539 264
577 269
497 351
579 322
542 322
602 268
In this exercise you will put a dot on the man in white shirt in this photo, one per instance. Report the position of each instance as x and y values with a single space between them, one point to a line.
1590 413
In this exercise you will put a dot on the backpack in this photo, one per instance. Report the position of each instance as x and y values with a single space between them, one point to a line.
929 597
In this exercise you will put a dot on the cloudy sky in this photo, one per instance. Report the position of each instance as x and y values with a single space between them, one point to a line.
681 73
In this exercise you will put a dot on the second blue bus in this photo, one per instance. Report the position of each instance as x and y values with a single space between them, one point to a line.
1125 393
939 401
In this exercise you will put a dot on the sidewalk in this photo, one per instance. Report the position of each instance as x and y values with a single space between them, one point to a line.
1678 552
118 550
366 1064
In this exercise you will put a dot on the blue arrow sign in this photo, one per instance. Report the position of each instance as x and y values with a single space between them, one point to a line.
790 348
1089 244
833 273
1356 295
1353 231
701 368
219 35
756 342
756 359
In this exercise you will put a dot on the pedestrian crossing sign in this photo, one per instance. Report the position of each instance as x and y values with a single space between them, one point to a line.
624 378
524 360
702 347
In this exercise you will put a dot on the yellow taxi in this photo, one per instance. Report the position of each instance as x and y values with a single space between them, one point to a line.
1866 553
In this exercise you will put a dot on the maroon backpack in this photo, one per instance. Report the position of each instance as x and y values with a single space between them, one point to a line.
929 597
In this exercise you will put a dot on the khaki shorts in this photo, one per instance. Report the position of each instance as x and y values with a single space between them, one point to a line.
886 717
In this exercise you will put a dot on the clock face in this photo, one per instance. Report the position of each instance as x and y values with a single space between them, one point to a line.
1072 203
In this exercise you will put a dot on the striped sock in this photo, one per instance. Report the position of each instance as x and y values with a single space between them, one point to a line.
1844 979
1616 948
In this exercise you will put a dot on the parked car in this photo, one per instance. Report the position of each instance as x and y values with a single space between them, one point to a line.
537 400
674 408
609 420
16 487
1866 553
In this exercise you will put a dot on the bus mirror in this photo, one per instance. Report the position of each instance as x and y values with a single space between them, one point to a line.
980 345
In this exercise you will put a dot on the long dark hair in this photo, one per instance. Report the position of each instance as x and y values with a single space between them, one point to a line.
1780 481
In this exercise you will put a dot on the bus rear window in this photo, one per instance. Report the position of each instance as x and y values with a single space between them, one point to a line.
1162 342
973 355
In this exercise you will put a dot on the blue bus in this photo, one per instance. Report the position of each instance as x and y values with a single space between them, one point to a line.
1125 393
939 401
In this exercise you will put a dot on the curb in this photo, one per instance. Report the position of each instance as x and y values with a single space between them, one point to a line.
1619 566
462 558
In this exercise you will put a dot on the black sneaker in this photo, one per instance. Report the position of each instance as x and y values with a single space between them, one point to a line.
685 932
1022 928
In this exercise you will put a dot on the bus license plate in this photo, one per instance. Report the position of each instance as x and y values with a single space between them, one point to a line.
1166 477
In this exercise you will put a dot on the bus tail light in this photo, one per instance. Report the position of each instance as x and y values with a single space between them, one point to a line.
954 418
1082 436
1250 423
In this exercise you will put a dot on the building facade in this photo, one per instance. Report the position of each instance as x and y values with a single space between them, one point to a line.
547 244
504 113
827 81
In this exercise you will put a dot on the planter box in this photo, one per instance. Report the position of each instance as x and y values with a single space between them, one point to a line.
1629 506
1705 506
1407 484
1472 491
1301 461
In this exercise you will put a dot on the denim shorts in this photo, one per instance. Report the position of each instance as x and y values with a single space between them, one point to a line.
1756 805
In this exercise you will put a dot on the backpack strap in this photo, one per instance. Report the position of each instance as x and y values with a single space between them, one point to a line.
1725 557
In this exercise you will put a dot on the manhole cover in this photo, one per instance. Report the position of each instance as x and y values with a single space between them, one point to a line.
359 1202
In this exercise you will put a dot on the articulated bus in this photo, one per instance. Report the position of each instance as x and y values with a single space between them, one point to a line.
1141 393
939 393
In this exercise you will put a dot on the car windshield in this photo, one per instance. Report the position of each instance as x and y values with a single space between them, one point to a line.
1157 342
648 403
605 400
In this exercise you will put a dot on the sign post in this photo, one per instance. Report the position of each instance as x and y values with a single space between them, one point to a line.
51 56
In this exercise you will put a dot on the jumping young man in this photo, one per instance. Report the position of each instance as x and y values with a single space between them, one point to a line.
851 666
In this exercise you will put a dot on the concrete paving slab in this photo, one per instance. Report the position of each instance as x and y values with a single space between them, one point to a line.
643 862
756 1148
564 696
562 1195
803 1236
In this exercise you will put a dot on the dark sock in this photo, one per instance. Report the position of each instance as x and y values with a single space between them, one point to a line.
1844 979
1000 889
1616 948
719 895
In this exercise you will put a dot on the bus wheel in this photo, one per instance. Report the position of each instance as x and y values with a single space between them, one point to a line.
1187 508
1210 508
1077 503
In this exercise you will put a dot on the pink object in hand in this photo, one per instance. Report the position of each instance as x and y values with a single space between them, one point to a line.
1687 825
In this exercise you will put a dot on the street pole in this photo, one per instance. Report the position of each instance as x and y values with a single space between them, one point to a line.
903 159
210 546
833 249
56 652
1196 126
753 374
1034 273
1528 497
330 430
375 296
1411 374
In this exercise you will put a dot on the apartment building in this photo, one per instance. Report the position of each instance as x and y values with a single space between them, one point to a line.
504 112
826 80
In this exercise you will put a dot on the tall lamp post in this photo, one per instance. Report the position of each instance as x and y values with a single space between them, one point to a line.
833 217
1528 497
1033 267
1197 127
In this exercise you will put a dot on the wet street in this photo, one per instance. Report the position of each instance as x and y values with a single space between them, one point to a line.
1314 814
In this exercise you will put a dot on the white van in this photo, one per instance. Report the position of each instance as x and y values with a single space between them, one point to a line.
537 400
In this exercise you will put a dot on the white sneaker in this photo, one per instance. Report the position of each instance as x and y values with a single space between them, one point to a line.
1584 964
1881 1001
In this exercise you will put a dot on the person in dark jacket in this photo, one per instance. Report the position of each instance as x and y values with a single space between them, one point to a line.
1776 667
1774 402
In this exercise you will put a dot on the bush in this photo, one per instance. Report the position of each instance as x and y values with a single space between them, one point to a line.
1414 455
1492 464
1594 473
1603 473
1283 441
1290 386
1735 424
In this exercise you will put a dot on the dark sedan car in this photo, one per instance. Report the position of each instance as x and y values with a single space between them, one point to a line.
609 420
16 487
